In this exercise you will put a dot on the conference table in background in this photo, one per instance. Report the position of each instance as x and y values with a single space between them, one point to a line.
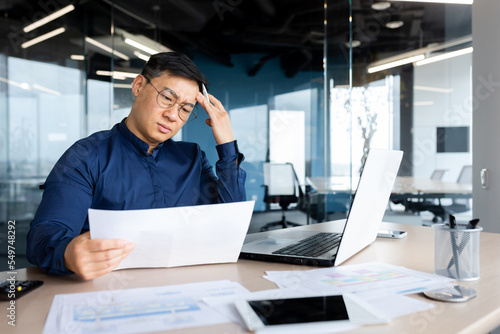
423 188
479 315
333 194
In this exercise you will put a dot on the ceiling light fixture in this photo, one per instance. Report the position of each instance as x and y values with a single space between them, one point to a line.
394 24
396 63
106 48
42 38
47 90
49 18
444 56
117 74
141 42
140 46
423 103
459 2
433 89
141 56
419 55
382 5
355 43
77 57
126 86
23 85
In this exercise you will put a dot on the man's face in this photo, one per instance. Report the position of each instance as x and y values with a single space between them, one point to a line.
152 123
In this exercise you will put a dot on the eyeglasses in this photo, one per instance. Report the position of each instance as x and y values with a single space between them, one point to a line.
167 98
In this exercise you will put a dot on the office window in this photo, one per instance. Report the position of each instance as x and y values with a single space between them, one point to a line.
363 117
251 130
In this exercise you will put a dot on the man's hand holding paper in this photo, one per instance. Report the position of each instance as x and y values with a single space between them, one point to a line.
177 236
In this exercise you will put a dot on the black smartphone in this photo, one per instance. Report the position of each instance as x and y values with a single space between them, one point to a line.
300 310
275 313
391 234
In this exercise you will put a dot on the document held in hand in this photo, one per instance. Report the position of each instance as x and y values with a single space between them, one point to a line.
180 236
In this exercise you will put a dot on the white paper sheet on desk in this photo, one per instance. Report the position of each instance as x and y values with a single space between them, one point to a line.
139 310
175 237
373 279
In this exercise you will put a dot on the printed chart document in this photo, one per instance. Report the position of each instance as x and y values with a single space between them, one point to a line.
178 236
369 280
139 310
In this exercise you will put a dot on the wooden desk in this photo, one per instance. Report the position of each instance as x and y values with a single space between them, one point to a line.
479 315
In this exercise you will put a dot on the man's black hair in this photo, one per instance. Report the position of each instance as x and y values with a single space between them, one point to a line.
175 64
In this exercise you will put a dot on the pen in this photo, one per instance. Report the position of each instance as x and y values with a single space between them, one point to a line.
205 92
454 246
465 238
472 224
453 223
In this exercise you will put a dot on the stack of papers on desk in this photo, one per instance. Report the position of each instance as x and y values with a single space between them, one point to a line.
139 310
209 303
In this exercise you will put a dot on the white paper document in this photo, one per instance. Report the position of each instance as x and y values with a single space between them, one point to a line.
368 280
178 236
139 310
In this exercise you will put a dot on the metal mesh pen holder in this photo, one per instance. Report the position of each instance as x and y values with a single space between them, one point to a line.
456 252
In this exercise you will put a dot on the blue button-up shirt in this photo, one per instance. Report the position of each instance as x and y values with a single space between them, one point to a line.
113 170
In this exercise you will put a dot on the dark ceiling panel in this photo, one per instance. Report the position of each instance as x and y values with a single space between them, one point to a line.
290 29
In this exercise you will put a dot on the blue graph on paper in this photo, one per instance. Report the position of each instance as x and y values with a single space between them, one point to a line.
117 310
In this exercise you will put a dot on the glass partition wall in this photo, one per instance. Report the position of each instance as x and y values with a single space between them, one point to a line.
411 90
301 81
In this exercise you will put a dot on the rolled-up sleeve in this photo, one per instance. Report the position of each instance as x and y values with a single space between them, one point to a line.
229 183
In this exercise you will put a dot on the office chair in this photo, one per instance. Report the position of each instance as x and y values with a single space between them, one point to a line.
458 205
282 186
417 206
438 174
432 204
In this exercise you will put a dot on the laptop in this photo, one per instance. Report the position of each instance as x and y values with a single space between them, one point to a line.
299 246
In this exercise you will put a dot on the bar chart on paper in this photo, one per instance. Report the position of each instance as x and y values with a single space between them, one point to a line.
122 310
369 279
362 277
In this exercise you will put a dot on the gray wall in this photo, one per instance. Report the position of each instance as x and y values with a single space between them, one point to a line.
486 113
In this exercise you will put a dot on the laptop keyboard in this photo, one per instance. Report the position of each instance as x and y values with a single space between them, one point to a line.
312 246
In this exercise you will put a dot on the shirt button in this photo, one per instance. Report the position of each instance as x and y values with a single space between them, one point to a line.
58 263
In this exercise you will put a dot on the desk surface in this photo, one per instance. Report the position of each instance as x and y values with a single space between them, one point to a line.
416 251
402 185
408 184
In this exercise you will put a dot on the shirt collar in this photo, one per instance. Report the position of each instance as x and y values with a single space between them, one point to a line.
135 141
